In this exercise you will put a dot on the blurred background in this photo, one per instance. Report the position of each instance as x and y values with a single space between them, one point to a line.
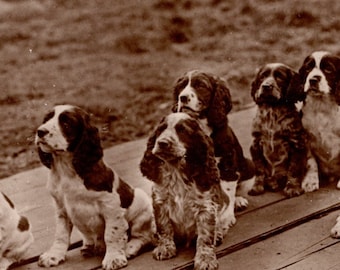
119 59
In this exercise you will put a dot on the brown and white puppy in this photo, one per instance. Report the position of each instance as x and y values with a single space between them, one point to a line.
280 147
88 194
207 98
188 199
15 234
318 86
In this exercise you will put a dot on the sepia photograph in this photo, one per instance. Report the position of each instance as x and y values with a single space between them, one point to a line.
170 134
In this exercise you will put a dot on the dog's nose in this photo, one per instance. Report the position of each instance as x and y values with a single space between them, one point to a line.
314 80
42 132
267 87
163 144
184 99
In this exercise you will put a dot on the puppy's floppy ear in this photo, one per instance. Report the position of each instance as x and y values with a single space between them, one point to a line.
295 91
150 164
337 88
291 77
177 88
221 103
88 151
255 83
200 159
45 158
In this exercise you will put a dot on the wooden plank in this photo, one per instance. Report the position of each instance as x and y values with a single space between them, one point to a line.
251 228
308 246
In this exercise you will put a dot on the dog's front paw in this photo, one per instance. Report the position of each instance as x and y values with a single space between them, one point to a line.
88 251
114 260
311 182
335 231
5 263
50 258
258 187
241 203
133 247
165 251
293 191
205 259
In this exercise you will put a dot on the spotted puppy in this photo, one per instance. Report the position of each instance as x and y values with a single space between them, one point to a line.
280 147
15 234
88 194
207 98
188 199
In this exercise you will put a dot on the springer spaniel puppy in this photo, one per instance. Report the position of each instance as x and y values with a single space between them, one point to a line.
188 199
318 86
207 97
15 234
88 194
279 149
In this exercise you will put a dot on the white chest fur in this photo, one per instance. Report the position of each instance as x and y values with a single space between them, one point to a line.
82 206
322 119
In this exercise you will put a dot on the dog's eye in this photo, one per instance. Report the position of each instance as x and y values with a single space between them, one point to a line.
328 68
280 76
180 129
48 117
309 65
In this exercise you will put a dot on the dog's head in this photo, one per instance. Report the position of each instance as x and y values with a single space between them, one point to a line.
271 84
180 142
15 233
67 130
319 76
203 95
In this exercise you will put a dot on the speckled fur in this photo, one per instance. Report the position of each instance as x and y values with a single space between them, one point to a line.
188 200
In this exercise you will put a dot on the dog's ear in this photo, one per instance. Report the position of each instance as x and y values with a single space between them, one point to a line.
87 148
177 88
45 158
295 91
291 77
200 160
337 88
221 103
150 164
255 83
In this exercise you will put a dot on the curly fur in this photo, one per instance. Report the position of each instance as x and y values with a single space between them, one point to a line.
88 194
279 149
208 98
187 196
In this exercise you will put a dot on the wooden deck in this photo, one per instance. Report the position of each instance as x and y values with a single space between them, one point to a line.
273 233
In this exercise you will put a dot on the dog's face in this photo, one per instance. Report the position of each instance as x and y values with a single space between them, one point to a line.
319 74
203 95
271 83
61 128
173 135
194 92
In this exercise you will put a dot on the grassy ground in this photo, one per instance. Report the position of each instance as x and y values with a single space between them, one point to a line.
119 59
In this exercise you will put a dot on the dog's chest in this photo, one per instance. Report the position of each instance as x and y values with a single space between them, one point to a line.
181 203
322 121
81 205
271 125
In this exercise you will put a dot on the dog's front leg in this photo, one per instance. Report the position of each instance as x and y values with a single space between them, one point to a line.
205 258
115 237
166 247
256 151
56 254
